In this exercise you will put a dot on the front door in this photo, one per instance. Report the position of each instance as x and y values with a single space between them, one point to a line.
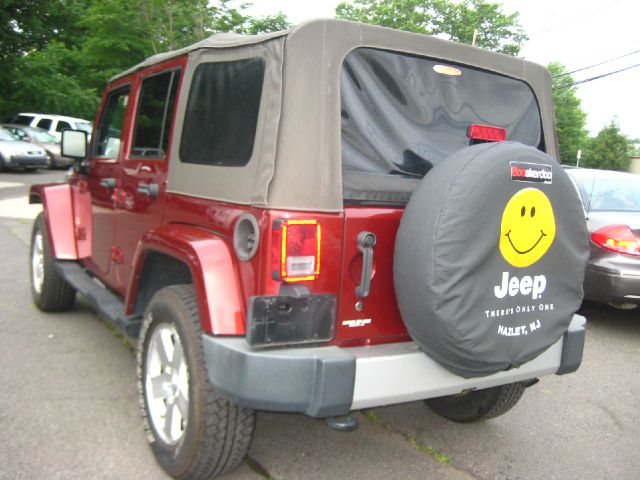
108 145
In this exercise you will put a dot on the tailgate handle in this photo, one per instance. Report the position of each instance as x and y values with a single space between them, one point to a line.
108 182
366 242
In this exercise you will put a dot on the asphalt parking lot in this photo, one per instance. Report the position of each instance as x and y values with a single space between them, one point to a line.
68 404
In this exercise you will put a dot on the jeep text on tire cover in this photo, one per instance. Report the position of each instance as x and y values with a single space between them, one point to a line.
387 203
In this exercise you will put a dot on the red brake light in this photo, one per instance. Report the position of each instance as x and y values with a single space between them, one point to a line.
616 238
296 250
487 133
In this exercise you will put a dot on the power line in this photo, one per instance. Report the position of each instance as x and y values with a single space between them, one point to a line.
596 64
567 85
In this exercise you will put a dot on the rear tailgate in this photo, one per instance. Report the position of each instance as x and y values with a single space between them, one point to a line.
373 318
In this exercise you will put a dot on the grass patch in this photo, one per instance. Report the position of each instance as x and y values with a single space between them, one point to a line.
121 337
257 468
441 458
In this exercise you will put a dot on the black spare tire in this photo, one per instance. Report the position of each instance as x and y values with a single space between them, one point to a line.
490 258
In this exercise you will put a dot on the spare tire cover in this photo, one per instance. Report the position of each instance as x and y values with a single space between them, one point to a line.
490 258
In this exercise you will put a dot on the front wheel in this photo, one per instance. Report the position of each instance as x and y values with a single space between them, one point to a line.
193 432
478 405
50 292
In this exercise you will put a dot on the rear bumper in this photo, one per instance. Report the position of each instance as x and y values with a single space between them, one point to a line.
332 381
607 285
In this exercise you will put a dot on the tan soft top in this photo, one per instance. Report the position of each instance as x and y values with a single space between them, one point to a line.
296 161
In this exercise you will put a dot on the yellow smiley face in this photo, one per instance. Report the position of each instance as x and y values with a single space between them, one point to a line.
528 227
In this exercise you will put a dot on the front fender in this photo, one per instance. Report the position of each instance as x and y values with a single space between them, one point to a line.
213 271
67 215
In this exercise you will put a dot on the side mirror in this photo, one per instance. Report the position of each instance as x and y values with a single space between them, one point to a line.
74 144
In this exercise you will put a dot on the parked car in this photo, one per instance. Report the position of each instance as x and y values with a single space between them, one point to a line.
42 138
611 203
15 153
54 124
320 220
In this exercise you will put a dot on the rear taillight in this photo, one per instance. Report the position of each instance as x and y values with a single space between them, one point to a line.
487 133
296 250
616 238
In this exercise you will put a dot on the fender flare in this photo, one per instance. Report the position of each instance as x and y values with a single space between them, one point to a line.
213 270
67 218
58 218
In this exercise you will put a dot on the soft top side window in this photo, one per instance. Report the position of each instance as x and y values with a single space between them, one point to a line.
154 115
222 113
110 127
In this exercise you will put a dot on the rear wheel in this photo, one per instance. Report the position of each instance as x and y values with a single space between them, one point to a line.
50 292
477 405
194 433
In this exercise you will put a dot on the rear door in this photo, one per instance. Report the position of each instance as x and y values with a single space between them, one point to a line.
143 173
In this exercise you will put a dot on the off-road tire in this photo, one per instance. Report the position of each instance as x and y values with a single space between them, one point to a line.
478 405
218 432
55 294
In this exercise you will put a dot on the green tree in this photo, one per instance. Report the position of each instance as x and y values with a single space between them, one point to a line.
609 150
570 118
455 20
50 81
60 63
27 26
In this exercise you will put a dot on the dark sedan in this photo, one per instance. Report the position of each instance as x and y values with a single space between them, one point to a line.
42 138
611 202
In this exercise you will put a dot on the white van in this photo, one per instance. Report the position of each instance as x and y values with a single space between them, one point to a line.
54 124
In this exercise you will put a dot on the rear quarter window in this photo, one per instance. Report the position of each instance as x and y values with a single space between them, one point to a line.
222 113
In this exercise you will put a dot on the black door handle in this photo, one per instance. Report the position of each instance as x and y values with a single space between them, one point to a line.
366 242
108 182
150 189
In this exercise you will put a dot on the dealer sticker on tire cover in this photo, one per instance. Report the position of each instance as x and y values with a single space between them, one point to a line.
531 172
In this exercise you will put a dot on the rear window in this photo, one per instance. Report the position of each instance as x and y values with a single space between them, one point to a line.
23 119
222 113
403 114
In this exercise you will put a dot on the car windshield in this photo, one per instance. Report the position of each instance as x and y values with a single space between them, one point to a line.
603 193
4 135
85 127
42 136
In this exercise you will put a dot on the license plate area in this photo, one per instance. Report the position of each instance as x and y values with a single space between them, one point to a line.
283 320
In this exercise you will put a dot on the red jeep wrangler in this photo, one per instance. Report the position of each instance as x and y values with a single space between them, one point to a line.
320 220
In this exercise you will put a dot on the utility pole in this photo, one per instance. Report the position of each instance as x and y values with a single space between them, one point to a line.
578 157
